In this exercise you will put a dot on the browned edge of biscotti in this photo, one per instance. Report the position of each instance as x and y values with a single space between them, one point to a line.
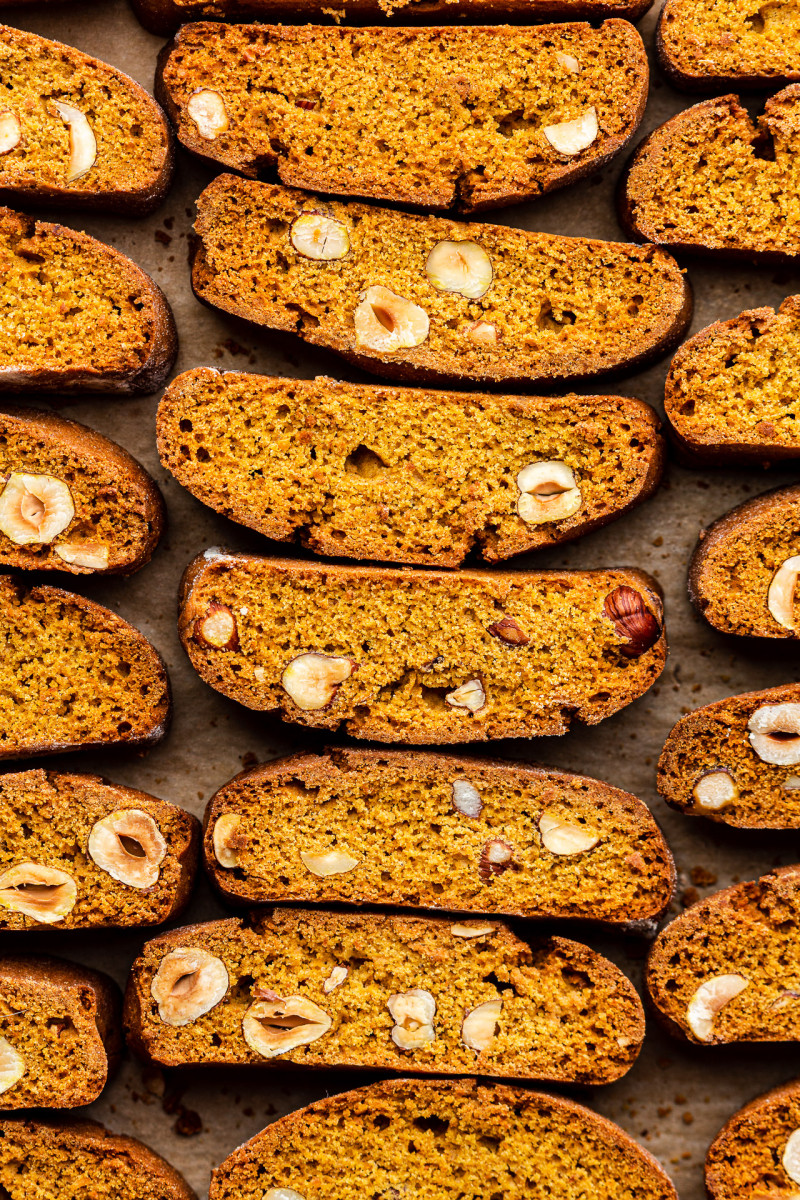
515 1100
353 760
719 1154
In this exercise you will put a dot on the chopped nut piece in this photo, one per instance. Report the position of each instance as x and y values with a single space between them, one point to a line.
508 631
312 680
780 596
334 862
496 857
775 734
548 492
467 799
483 333
10 131
632 620
34 508
470 696
335 979
571 137
82 142
462 267
43 893
274 1027
785 999
569 62
707 1001
386 322
791 783
479 1028
715 788
471 931
188 983
412 1013
207 109
560 837
226 839
12 1065
129 846
283 1193
791 1156
319 237
92 556
217 628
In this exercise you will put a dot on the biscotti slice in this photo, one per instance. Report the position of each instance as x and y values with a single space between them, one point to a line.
404 475
737 761
710 181
422 656
81 853
59 1033
71 500
744 570
82 1159
393 993
730 394
74 675
727 970
428 299
478 117
76 315
76 131
703 47
757 1153
460 1138
432 831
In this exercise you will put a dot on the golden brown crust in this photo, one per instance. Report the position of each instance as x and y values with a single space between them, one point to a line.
745 1158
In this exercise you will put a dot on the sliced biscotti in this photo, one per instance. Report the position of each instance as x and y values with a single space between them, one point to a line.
409 1130
74 675
71 500
76 315
81 853
59 1033
428 299
731 395
58 1158
703 47
478 117
432 831
757 1153
710 181
744 570
422 656
394 993
76 131
737 761
405 475
727 970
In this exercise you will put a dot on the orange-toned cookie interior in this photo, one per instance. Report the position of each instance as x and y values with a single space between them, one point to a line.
405 475
396 993
430 831
711 41
462 1139
757 1153
80 853
74 674
425 297
415 656
727 970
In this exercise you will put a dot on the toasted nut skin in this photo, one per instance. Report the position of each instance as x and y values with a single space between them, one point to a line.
91 556
560 837
791 1156
571 137
10 131
510 632
34 509
45 894
469 695
12 1065
496 857
385 322
207 109
471 931
317 236
274 1027
632 620
461 267
780 595
129 846
334 862
715 788
82 142
188 983
412 1012
335 979
225 839
217 628
547 492
707 1001
480 1025
312 680
774 731
467 799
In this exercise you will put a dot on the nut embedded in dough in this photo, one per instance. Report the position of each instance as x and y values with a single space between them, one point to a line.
129 846
274 1027
207 109
780 595
82 142
412 1012
34 509
774 731
45 894
312 680
571 137
226 839
708 1000
188 983
562 837
547 492
479 1027
317 236
461 267
385 322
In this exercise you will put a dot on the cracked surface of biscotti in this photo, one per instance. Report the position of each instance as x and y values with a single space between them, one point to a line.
704 45
737 761
743 573
557 309
395 993
731 391
728 969
81 853
479 117
462 1139
73 1159
405 475
59 1033
756 1152
420 830
74 675
71 499
76 131
422 656
77 315
711 181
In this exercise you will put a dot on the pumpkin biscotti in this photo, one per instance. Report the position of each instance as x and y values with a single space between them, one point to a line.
74 675
76 131
737 761
393 993
728 969
706 46
428 299
81 853
472 836
462 1139
59 1033
757 1153
422 656
404 475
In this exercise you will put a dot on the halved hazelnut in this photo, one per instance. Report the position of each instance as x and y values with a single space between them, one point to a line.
707 1001
470 696
217 628
462 267
129 846
548 492
775 734
791 1156
319 237
312 680
561 837
568 62
483 333
335 979
12 1065
715 788
780 596
10 131
496 857
43 893
82 142
471 931
632 620
226 839
509 631
412 1012
91 556
34 508
273 1027
188 983
334 862
467 799
571 137
207 109
385 322
479 1027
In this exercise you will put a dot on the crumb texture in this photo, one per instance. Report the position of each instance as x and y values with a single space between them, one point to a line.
705 41
746 1157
